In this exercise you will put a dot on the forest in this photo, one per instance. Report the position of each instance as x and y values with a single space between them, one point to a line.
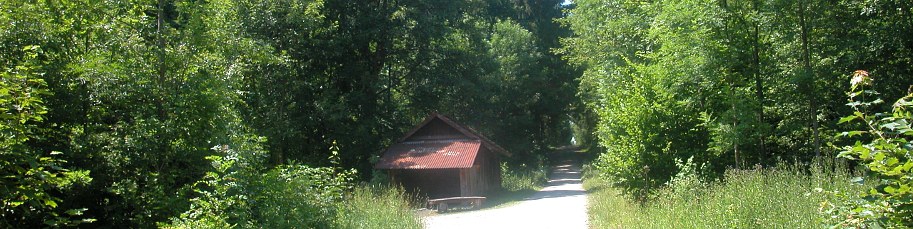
271 113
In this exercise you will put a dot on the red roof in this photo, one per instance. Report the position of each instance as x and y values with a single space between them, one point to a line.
437 154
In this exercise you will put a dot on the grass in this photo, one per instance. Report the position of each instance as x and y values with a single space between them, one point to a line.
784 197
377 207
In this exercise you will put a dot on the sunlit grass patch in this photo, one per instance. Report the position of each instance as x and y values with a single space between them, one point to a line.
783 197
376 207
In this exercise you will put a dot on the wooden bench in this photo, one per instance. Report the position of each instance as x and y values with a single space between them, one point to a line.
443 204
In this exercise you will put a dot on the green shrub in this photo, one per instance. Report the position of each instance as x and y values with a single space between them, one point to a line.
300 196
235 195
223 197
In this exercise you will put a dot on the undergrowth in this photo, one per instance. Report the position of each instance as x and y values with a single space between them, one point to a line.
292 196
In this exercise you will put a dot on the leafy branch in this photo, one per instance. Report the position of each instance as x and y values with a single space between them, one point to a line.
887 154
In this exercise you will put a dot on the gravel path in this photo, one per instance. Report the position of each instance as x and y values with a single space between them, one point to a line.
561 204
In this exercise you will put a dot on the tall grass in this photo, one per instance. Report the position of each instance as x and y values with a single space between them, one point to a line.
782 197
376 207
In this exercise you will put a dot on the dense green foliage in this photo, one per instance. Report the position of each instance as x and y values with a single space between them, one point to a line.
31 179
729 83
787 196
362 73
245 113
110 109
741 84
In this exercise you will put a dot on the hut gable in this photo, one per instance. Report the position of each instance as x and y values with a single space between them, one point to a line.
436 129
440 127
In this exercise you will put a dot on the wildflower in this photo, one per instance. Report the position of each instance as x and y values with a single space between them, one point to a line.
860 77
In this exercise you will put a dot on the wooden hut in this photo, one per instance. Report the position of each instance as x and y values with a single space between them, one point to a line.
440 158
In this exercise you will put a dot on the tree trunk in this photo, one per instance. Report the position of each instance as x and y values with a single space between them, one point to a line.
807 71
735 124
161 59
759 86
759 93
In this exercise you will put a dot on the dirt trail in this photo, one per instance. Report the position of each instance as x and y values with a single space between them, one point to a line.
561 204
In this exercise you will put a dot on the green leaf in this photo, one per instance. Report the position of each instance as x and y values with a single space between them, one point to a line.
891 125
864 153
890 189
847 119
75 212
856 132
858 180
50 203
